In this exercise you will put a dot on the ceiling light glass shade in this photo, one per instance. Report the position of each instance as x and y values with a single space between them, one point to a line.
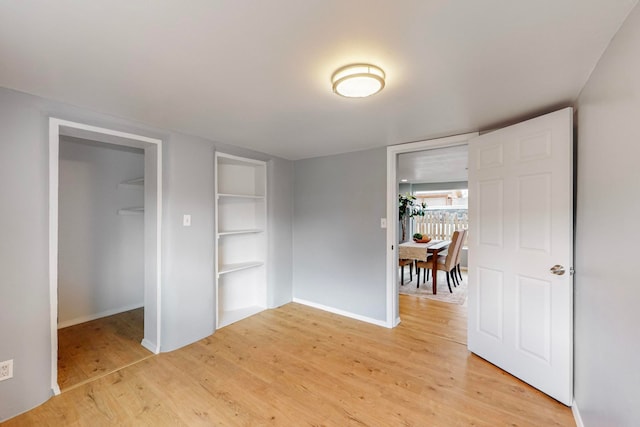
358 80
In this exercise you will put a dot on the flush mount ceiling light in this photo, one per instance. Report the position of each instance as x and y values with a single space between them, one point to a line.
358 80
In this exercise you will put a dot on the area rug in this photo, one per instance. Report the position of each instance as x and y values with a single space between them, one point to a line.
459 295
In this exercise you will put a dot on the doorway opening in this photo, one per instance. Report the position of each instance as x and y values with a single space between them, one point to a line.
401 158
87 297
435 184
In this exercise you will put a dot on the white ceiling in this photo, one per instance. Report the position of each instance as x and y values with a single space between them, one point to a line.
437 165
257 73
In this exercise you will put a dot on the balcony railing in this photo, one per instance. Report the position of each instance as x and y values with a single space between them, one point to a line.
440 224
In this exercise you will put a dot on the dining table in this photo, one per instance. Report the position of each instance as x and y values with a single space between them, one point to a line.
422 251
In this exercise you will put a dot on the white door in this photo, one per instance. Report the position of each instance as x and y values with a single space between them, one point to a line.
520 227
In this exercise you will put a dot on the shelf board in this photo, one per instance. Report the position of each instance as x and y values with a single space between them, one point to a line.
230 268
131 211
228 317
247 231
132 183
229 159
239 196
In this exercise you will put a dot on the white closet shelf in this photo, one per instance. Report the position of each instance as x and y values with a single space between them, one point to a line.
228 317
132 183
230 159
239 196
131 211
230 268
247 231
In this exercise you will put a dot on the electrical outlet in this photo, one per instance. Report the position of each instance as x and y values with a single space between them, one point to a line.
6 369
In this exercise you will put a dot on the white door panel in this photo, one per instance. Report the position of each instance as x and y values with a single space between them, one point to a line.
520 222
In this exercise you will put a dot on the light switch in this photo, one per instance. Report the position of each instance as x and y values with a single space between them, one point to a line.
186 220
383 222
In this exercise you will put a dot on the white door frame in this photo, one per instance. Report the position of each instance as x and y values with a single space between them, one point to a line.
393 315
56 126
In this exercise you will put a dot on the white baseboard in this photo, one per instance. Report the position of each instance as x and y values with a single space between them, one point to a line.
88 318
342 312
576 414
150 346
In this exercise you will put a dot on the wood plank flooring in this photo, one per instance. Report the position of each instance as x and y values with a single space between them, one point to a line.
90 350
296 366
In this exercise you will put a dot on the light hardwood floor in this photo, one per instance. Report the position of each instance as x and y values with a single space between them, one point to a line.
296 366
92 349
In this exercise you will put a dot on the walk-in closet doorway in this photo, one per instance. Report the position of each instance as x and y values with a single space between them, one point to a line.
151 149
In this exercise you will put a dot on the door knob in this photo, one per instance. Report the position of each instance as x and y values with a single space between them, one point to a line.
557 269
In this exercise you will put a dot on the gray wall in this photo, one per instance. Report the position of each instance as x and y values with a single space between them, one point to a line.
188 262
24 252
280 231
100 253
339 247
607 293
432 186
436 186
404 188
187 252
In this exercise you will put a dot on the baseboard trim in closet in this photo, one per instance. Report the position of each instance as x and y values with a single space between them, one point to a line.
83 319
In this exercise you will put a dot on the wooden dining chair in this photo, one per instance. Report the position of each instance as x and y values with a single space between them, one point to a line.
444 263
459 252
455 246
426 271
457 277
402 263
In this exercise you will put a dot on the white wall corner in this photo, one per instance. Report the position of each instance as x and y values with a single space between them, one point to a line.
150 346
576 414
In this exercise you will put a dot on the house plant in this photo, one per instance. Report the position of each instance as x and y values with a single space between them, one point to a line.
408 207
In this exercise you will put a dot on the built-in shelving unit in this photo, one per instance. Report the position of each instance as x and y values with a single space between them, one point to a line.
241 238
136 183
